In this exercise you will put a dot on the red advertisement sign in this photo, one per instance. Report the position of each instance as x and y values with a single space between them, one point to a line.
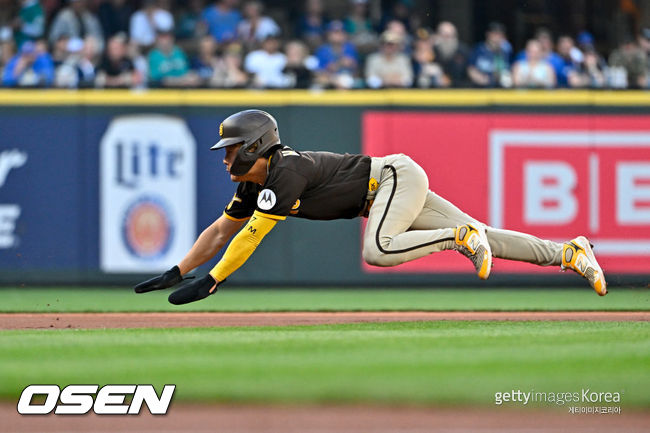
553 176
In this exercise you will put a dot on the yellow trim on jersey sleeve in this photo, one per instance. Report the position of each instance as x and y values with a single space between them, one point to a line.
268 215
243 245
234 219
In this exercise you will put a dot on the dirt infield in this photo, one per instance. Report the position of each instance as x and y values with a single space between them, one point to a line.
326 419
173 320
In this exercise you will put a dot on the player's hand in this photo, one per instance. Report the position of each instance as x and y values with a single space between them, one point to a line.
168 279
195 291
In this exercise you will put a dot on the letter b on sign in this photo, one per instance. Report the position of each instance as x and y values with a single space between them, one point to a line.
549 197
633 193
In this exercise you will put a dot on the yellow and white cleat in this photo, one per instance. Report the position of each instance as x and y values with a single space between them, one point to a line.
472 242
578 256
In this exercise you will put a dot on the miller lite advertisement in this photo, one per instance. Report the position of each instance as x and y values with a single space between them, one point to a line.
148 193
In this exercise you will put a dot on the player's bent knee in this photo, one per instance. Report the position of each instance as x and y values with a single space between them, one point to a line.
374 257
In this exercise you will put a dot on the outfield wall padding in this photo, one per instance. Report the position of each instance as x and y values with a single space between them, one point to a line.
51 178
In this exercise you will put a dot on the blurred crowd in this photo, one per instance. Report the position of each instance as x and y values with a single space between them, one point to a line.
233 44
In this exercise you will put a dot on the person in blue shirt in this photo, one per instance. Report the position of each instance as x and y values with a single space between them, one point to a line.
338 56
489 64
568 67
222 19
29 68
311 25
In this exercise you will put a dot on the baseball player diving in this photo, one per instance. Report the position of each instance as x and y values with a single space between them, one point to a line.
406 220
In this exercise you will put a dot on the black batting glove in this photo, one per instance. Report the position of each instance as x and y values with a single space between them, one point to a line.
195 291
168 279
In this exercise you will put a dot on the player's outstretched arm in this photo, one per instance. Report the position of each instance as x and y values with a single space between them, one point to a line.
239 250
211 240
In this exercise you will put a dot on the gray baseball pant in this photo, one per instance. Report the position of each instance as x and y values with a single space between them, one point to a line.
407 221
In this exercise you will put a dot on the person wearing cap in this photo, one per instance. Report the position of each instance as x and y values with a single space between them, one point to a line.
78 69
29 68
489 64
76 21
337 59
389 67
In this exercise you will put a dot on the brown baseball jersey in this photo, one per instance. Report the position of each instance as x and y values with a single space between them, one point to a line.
312 185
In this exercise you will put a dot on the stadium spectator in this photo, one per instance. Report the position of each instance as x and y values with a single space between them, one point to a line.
29 68
632 62
591 73
644 43
312 25
401 11
7 47
78 68
534 71
116 69
570 58
337 59
266 64
389 67
426 71
300 65
230 74
585 41
114 16
255 27
222 19
145 22
489 64
59 50
206 60
398 28
359 27
452 56
29 25
168 65
545 39
76 21
189 26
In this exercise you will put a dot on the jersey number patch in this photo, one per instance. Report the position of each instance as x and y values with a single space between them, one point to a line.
266 200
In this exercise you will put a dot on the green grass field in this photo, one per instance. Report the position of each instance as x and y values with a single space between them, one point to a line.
444 363
441 363
232 299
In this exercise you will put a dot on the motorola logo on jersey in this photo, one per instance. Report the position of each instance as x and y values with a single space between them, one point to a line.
266 199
